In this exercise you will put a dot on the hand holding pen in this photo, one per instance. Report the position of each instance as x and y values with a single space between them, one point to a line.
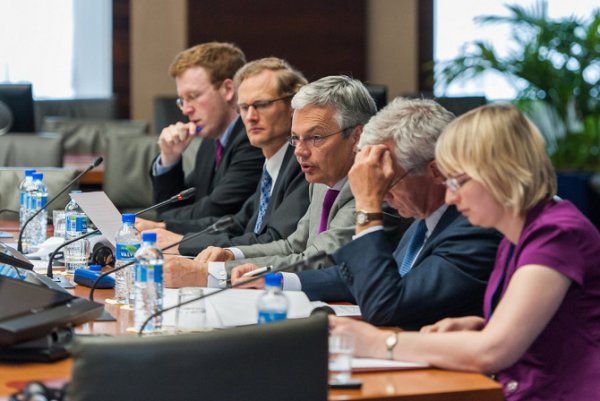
249 270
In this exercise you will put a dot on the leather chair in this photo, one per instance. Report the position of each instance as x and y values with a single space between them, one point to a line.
31 150
54 178
271 362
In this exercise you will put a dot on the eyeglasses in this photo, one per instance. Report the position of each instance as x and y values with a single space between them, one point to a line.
181 101
454 183
314 140
403 176
260 105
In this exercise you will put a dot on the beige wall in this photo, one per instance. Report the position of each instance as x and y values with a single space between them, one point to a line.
158 32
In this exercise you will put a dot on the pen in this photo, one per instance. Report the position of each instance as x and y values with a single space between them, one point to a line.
258 271
251 273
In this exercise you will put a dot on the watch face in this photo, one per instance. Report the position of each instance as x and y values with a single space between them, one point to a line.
361 218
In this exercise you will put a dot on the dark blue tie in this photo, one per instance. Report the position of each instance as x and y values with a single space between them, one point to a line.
265 195
414 245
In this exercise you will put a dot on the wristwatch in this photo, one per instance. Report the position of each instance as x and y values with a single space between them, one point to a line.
363 217
390 343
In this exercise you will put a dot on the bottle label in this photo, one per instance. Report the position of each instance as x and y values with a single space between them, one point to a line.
146 272
42 200
271 316
23 198
76 223
141 273
126 251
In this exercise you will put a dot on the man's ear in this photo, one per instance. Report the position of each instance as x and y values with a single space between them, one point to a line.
435 173
228 90
355 135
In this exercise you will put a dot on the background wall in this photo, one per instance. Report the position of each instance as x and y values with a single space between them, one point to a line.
159 30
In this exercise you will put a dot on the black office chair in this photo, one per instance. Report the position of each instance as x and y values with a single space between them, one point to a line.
272 362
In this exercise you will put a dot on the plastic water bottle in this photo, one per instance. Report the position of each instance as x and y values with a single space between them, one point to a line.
24 188
37 198
272 305
77 253
127 245
148 283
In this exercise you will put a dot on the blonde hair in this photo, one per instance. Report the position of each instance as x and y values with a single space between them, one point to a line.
499 147
220 60
289 80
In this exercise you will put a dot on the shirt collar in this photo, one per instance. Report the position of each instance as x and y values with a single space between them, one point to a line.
433 219
338 185
273 164
225 137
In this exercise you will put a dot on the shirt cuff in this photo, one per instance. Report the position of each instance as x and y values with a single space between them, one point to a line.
237 253
368 231
291 282
159 169
217 275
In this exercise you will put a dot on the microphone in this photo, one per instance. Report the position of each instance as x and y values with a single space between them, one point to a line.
300 264
219 225
92 165
183 195
176 198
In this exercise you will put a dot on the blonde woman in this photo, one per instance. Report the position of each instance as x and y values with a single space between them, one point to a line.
541 331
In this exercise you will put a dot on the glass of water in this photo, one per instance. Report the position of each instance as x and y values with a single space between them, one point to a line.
58 221
341 350
190 317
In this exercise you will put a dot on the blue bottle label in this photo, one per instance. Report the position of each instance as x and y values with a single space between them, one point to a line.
76 223
158 273
126 251
271 316
23 199
141 273
42 201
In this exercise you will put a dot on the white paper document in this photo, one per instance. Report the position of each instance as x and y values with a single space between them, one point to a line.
236 307
370 363
100 209
340 310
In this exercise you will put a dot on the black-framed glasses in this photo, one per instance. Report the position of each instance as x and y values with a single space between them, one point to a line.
454 183
403 176
314 140
260 105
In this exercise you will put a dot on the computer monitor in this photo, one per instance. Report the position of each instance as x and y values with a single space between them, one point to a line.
19 99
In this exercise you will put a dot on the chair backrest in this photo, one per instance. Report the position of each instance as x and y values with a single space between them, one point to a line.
272 362
126 170
89 136
31 150
456 104
54 178
379 93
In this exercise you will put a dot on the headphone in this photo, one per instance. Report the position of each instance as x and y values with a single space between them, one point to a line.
102 255
37 391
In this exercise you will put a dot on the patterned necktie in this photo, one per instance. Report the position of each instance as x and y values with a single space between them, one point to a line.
327 203
265 195
414 245
218 154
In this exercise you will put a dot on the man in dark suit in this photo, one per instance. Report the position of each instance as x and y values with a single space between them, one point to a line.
441 266
265 88
227 166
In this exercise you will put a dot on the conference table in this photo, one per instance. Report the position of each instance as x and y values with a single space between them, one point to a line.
414 384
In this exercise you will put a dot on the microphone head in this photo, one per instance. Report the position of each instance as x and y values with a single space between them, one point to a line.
97 162
186 193
328 310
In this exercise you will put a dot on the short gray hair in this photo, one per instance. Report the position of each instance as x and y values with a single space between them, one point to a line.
414 126
349 97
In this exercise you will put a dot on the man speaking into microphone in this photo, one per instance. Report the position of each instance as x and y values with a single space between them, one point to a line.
227 167
327 122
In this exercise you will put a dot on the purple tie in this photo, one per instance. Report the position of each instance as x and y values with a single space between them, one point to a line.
327 202
218 154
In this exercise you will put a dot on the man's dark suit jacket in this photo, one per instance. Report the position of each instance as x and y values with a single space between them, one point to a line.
287 204
448 278
219 191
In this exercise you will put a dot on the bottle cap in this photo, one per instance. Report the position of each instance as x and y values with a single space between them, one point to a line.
95 268
38 176
273 280
149 237
29 172
128 218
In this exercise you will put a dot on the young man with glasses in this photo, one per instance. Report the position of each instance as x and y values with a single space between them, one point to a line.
227 166
441 265
265 88
322 110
